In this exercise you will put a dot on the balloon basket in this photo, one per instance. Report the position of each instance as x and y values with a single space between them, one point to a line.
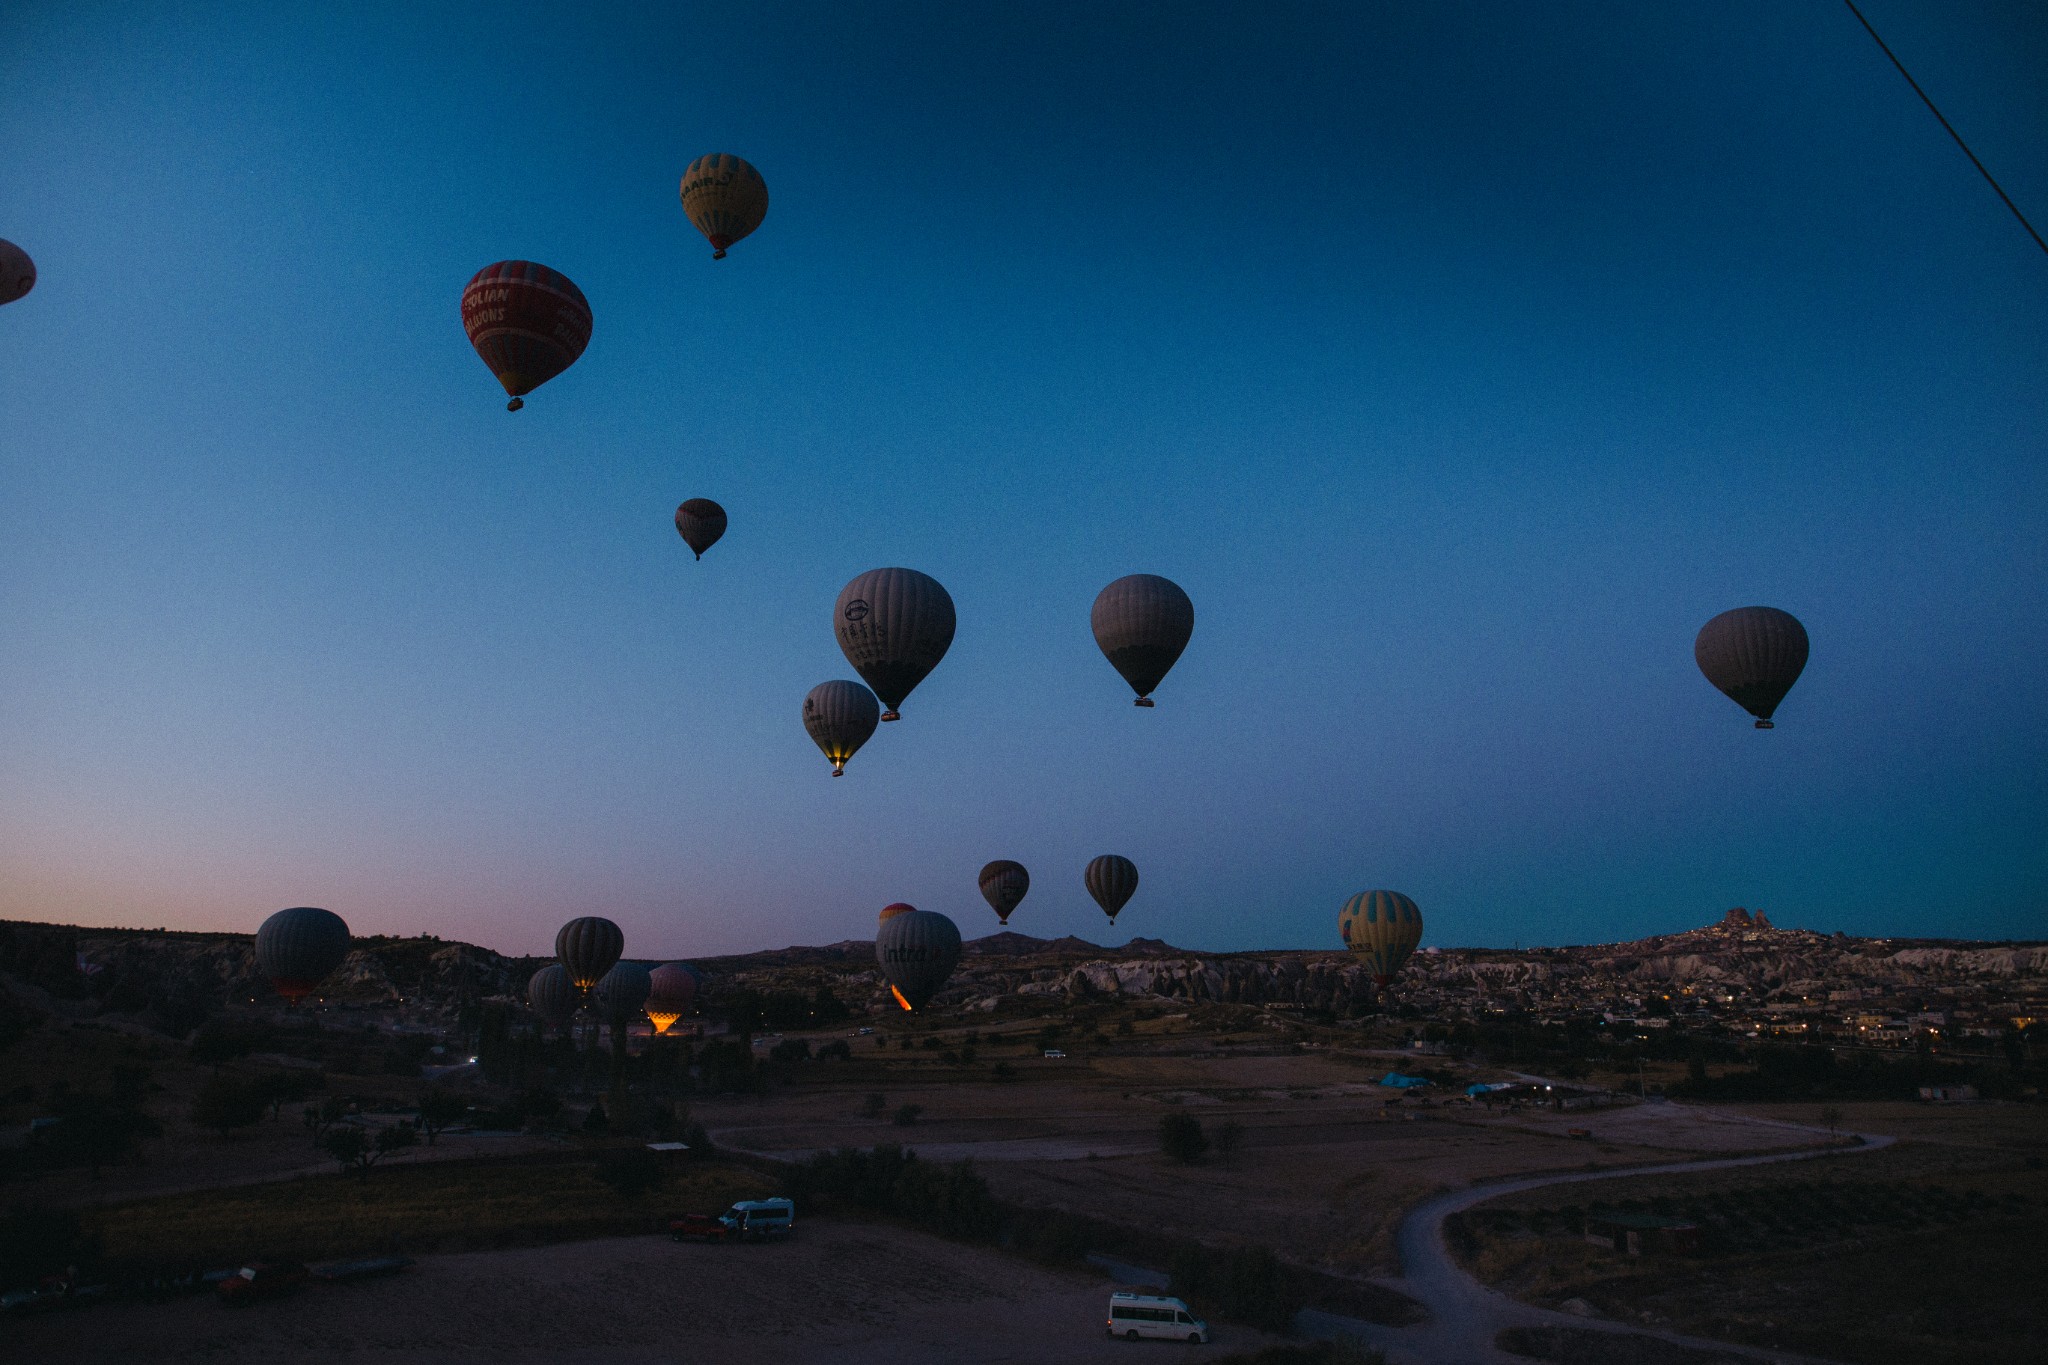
1142 701
1765 725
515 405
892 714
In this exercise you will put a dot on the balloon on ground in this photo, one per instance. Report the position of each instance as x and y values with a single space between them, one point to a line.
1003 885
589 947
671 994
893 626
621 994
1382 927
527 322
1112 879
1142 623
552 994
17 272
1754 654
297 948
840 716
700 522
725 198
917 950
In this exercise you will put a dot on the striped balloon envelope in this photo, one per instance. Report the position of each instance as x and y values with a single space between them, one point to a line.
1754 655
1112 880
1142 622
1383 928
1004 884
725 199
527 322
893 626
589 947
551 994
297 948
840 716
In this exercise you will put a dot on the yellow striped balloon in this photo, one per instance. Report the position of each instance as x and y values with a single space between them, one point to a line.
1383 927
725 199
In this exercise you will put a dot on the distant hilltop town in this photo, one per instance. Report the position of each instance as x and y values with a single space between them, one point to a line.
1738 977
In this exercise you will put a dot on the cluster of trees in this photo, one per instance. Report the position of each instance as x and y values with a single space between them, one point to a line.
94 1129
1809 1072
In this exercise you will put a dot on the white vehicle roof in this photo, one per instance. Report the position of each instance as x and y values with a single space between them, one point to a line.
750 1205
1129 1300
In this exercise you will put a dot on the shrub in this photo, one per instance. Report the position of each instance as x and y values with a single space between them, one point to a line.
907 1115
837 1050
223 1104
1181 1138
791 1050
873 1105
630 1172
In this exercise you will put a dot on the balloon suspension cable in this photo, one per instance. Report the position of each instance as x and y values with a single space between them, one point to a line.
1981 170
515 405
1142 701
1766 725
892 714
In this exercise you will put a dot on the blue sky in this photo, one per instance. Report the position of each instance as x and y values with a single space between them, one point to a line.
1459 361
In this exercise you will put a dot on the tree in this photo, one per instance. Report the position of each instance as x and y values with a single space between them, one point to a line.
874 1104
1832 1117
597 1121
907 1115
1181 1138
438 1109
320 1117
224 1103
791 1050
96 1131
351 1146
275 1088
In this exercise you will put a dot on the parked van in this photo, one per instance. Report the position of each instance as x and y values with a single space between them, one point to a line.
1134 1316
752 1218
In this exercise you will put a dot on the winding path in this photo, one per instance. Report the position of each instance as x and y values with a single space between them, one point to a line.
1465 1315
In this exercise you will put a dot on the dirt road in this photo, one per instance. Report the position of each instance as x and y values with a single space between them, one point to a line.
1466 1316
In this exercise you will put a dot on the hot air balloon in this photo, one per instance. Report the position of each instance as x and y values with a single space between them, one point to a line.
700 522
840 716
529 323
891 911
589 947
1112 879
552 994
918 950
1142 623
1754 654
725 199
1003 884
894 625
671 994
17 272
1382 927
621 993
297 948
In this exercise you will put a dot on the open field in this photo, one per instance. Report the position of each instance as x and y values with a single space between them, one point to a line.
1928 1251
837 1292
402 1208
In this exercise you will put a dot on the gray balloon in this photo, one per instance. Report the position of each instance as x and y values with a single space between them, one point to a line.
672 990
298 947
840 716
1142 623
552 994
917 950
1754 654
588 947
622 994
893 625
1112 879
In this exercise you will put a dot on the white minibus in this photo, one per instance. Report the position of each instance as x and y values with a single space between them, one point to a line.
1134 1316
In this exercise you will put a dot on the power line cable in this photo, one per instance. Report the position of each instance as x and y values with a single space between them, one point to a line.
1988 178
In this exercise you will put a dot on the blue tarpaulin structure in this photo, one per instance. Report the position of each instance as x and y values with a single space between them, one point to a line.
1400 1082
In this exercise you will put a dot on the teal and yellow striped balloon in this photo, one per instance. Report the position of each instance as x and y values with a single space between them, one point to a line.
1383 927
725 199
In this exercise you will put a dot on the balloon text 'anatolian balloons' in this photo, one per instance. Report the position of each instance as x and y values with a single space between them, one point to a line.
529 323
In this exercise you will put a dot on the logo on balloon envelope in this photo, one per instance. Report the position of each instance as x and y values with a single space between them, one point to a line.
857 609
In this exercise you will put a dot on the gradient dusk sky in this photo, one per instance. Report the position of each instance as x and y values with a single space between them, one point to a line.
1460 360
